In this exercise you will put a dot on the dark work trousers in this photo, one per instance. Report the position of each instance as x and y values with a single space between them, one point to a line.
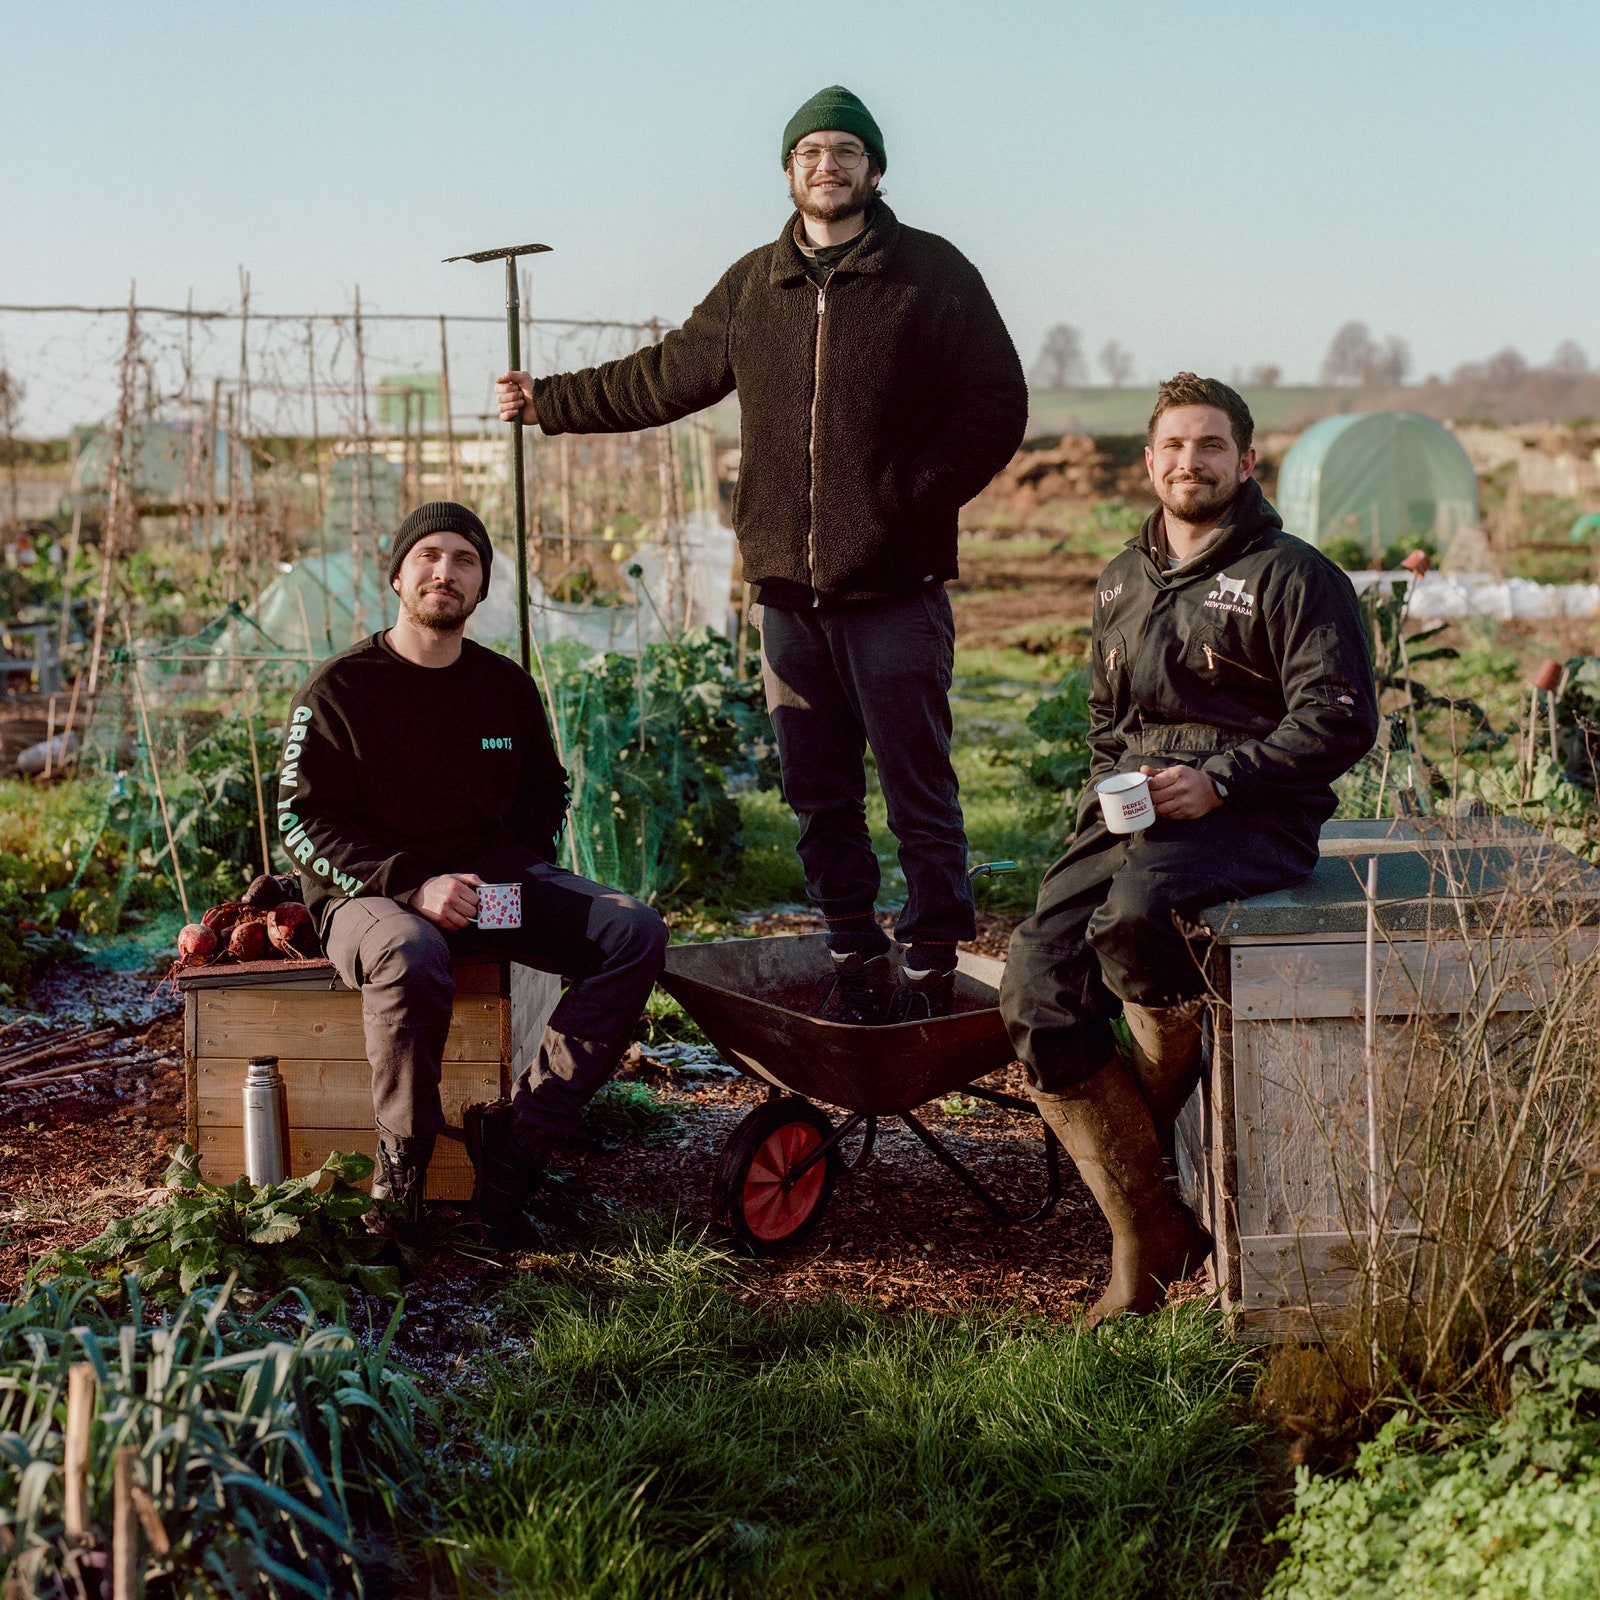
1111 924
878 675
607 945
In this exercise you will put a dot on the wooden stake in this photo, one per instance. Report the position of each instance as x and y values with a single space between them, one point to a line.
363 466
155 771
64 631
115 493
72 711
255 772
316 442
449 421
80 1422
124 1528
49 735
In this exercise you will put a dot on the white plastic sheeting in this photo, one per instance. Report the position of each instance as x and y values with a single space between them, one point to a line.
307 611
1441 595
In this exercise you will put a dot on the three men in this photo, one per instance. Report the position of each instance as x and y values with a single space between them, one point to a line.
878 392
1228 661
418 767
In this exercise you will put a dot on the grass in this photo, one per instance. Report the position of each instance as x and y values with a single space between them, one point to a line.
662 1434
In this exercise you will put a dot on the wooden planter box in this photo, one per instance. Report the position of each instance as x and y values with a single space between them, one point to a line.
1255 1156
300 1012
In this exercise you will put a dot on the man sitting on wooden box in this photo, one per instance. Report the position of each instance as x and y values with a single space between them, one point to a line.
417 769
1229 663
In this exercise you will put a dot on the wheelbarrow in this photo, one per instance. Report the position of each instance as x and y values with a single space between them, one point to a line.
779 1167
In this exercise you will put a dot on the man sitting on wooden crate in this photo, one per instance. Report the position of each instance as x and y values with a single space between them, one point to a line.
419 767
1229 663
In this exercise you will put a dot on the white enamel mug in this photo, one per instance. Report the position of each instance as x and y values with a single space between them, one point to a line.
499 905
1125 802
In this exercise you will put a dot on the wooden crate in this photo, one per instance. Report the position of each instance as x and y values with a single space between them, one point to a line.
300 1012
1259 1143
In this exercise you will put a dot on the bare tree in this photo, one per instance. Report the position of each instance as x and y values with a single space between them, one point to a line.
1570 360
1060 364
1266 376
1349 355
1355 356
1117 362
1392 364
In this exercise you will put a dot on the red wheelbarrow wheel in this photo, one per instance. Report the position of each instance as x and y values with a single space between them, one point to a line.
756 1195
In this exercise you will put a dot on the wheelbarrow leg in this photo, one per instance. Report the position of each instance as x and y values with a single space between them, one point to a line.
832 1142
946 1159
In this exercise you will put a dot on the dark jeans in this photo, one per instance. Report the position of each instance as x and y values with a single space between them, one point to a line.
878 675
607 945
1118 920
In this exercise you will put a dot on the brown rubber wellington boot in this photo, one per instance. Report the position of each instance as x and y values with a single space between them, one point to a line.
1155 1241
1166 1059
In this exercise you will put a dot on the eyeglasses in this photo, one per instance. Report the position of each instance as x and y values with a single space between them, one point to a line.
848 156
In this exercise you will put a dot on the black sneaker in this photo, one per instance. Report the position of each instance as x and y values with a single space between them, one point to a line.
503 1180
857 990
921 996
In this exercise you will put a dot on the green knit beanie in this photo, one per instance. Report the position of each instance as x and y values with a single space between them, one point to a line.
835 110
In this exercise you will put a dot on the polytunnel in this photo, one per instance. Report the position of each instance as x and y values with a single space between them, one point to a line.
1385 479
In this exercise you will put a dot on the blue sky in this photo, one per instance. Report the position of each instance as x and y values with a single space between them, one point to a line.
1214 185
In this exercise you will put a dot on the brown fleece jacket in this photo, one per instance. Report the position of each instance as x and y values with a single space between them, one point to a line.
870 411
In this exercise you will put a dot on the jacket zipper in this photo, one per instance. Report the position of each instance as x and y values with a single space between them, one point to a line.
1111 660
811 446
1212 658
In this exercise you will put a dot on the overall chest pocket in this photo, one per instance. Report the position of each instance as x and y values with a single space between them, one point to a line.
1113 658
1217 657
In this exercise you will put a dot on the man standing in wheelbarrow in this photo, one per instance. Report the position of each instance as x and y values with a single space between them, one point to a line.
1228 662
878 392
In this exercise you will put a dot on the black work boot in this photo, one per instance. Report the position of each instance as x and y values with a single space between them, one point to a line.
504 1177
858 989
399 1179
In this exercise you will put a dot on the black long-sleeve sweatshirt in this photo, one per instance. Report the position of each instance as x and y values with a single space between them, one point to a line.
392 772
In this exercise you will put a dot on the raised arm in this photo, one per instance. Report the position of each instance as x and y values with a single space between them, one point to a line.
688 371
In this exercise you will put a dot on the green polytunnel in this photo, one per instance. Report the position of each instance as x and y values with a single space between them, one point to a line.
1383 479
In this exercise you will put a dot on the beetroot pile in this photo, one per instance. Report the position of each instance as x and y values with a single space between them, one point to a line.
266 922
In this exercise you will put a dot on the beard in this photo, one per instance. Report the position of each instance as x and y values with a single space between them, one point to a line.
1197 501
438 608
849 199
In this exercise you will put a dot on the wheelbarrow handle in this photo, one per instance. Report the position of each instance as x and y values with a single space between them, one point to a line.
991 869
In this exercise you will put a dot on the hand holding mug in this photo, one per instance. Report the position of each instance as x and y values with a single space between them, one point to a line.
449 901
1181 794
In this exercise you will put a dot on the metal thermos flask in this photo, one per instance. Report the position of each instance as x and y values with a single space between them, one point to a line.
266 1122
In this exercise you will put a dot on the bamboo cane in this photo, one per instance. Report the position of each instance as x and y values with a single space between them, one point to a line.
75 1463
124 1528
155 772
261 804
115 494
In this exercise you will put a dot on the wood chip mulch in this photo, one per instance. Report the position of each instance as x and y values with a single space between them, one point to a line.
898 1234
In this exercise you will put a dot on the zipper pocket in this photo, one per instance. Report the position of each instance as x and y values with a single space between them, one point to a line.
1212 658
